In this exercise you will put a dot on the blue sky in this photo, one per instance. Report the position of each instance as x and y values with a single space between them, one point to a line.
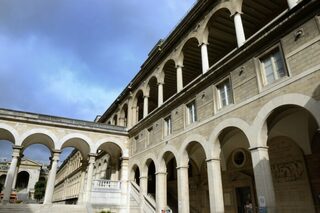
73 58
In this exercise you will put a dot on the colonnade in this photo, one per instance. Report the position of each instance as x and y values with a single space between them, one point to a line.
132 117
87 170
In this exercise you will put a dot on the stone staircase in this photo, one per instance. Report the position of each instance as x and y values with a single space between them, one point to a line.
38 208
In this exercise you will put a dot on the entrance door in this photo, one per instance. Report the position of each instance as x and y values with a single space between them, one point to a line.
244 199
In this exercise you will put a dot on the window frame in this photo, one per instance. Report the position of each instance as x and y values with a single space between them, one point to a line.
167 127
260 70
218 95
194 114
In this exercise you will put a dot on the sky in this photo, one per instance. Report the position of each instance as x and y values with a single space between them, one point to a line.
73 58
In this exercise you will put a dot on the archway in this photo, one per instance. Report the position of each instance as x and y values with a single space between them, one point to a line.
198 178
172 181
192 66
108 162
124 116
294 158
257 14
139 104
170 80
153 94
222 35
237 173
22 181
151 177
135 174
3 179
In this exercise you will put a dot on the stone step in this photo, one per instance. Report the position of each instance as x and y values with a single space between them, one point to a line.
38 208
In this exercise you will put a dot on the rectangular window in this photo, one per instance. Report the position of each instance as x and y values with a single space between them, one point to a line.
167 126
272 67
225 93
191 112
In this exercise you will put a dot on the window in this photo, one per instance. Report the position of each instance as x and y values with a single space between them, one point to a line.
272 67
191 112
225 95
167 126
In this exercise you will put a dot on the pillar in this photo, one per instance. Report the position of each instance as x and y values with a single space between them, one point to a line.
161 191
160 94
143 190
11 174
204 57
16 175
124 182
51 178
179 78
292 3
215 186
145 106
84 165
183 189
89 177
263 178
239 29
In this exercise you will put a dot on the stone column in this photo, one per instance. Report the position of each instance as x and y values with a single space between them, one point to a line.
160 94
134 116
16 175
215 186
145 106
204 57
84 165
183 189
292 3
92 159
51 178
263 178
239 29
124 182
143 190
179 78
11 174
161 191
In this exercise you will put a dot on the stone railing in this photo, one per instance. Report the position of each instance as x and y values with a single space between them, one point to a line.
106 185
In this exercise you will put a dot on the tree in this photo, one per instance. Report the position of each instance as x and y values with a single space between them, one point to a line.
39 189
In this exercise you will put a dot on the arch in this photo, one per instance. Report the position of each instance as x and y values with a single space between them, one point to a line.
192 62
138 102
153 94
79 141
214 144
161 160
256 14
135 174
8 133
146 160
170 79
23 179
115 119
42 136
258 126
183 155
124 115
111 140
221 34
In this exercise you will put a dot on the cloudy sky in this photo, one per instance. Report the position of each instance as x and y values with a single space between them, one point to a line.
72 58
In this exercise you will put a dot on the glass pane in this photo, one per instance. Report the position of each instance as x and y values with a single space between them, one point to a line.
279 65
267 63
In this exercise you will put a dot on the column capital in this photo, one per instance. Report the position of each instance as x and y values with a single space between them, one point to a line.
236 13
143 177
145 96
92 158
203 43
160 83
182 167
213 159
257 148
179 66
161 173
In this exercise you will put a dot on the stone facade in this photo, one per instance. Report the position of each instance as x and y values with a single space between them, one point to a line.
223 116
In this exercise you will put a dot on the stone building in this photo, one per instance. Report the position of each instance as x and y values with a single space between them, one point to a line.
223 116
